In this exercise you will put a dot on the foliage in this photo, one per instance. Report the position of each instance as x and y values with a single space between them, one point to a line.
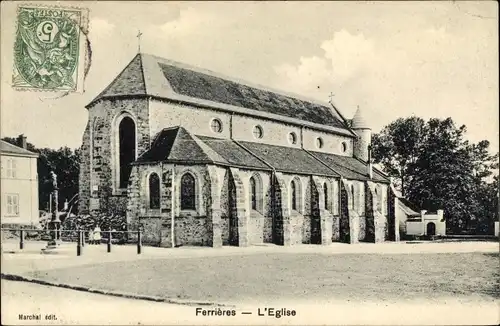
437 168
87 222
397 146
65 162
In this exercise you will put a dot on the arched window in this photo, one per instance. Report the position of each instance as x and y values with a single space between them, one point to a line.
127 149
319 142
258 132
188 192
253 193
344 147
294 195
216 125
325 187
154 191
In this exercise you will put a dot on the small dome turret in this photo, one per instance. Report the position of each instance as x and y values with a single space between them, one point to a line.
364 131
359 121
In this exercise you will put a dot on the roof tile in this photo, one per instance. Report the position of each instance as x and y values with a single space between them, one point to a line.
8 148
166 79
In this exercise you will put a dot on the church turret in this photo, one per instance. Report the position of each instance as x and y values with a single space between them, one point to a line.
364 132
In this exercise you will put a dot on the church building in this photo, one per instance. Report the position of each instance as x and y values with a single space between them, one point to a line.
193 157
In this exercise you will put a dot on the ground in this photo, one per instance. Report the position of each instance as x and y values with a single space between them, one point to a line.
396 281
273 277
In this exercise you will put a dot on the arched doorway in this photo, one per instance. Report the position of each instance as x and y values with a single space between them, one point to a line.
126 148
431 228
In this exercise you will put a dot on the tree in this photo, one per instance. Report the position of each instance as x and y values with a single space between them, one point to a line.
64 162
397 146
440 169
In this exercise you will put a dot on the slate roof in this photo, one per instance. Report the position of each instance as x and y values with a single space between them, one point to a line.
148 75
349 167
177 145
288 159
234 154
8 148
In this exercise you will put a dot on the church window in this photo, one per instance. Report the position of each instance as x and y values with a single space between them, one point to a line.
188 192
319 142
294 195
344 147
253 193
256 193
216 125
258 132
127 149
292 138
154 191
325 188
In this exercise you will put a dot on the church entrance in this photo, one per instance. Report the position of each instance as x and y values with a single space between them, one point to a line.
431 228
127 149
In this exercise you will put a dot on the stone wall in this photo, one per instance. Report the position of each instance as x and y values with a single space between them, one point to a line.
237 223
99 158
198 120
297 226
361 144
191 230
332 143
306 229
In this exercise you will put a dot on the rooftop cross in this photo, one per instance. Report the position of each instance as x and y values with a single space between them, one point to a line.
331 97
139 34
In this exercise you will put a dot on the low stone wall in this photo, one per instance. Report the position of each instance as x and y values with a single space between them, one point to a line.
191 231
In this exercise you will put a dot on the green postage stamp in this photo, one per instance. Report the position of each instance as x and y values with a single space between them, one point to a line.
50 48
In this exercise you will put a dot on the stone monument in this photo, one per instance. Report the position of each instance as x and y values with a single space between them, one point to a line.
55 222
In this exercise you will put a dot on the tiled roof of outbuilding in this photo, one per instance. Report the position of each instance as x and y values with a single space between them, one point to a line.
148 75
8 148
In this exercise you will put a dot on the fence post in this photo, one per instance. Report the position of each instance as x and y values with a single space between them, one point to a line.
82 234
21 240
79 244
109 241
139 244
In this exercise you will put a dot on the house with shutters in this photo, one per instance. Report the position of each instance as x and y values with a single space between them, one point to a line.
197 158
19 184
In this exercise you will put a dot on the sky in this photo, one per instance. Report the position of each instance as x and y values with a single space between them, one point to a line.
393 59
